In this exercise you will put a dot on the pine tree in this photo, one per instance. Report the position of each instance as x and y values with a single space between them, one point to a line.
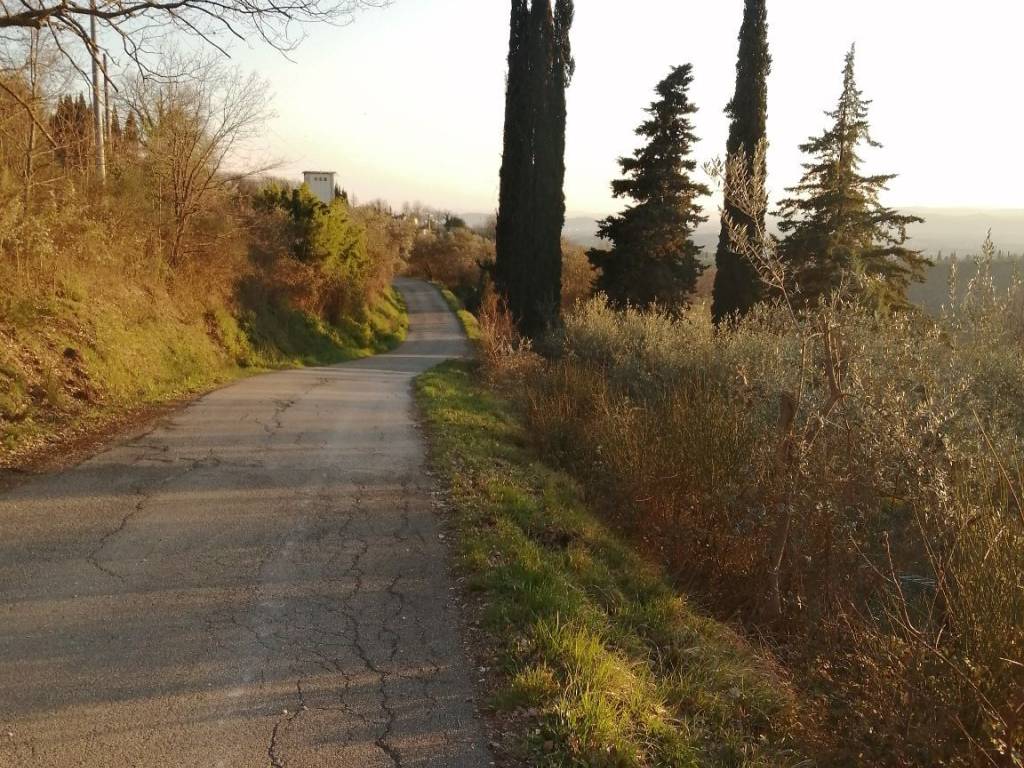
653 257
737 285
532 205
116 138
837 233
115 127
132 138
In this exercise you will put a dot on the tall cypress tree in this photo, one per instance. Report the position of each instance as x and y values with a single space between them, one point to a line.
531 211
837 233
556 59
737 285
653 257
516 161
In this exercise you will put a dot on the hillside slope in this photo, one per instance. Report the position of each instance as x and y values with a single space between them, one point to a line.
97 348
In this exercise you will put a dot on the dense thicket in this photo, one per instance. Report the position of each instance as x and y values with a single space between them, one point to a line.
838 236
737 284
653 258
327 237
531 210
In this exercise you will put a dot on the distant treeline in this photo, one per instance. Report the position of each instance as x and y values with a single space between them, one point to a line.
952 275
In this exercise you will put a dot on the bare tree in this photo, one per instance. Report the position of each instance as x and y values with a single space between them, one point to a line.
131 33
29 75
134 24
192 131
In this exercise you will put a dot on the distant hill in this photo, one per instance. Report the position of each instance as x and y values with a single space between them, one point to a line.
963 231
946 231
582 230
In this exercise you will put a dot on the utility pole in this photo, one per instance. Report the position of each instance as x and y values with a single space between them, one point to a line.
30 150
106 100
97 113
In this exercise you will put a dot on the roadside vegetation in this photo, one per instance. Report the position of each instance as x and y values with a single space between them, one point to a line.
841 487
814 458
176 273
848 484
469 322
601 662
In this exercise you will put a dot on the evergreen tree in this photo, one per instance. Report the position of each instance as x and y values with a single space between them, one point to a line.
512 232
115 128
72 131
837 233
554 63
131 136
737 285
653 258
531 210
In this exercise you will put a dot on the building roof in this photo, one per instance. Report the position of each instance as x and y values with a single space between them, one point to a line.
332 173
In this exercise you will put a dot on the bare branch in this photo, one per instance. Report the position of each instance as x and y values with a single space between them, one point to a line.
278 23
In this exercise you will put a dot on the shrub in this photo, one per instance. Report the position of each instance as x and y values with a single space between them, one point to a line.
578 275
332 274
455 257
852 481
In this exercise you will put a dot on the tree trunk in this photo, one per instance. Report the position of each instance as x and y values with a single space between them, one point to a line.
30 148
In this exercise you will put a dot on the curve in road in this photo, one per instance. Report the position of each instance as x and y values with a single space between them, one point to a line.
259 581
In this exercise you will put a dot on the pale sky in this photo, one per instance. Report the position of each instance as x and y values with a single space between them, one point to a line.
407 103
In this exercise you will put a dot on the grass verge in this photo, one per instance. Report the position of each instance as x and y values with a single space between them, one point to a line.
469 321
273 336
601 663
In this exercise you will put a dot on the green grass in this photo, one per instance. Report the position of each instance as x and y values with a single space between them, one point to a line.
469 321
273 336
611 665
74 364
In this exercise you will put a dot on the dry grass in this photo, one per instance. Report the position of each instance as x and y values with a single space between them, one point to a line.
869 467
93 320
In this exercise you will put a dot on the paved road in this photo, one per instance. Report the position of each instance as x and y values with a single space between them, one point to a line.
260 581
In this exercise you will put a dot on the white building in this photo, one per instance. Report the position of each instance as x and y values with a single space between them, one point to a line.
320 183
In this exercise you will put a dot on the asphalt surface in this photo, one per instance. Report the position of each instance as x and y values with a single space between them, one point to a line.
259 581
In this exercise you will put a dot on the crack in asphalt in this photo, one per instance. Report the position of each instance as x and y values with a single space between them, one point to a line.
301 614
277 761
145 495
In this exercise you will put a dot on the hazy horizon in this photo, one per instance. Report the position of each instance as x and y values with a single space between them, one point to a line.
946 230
